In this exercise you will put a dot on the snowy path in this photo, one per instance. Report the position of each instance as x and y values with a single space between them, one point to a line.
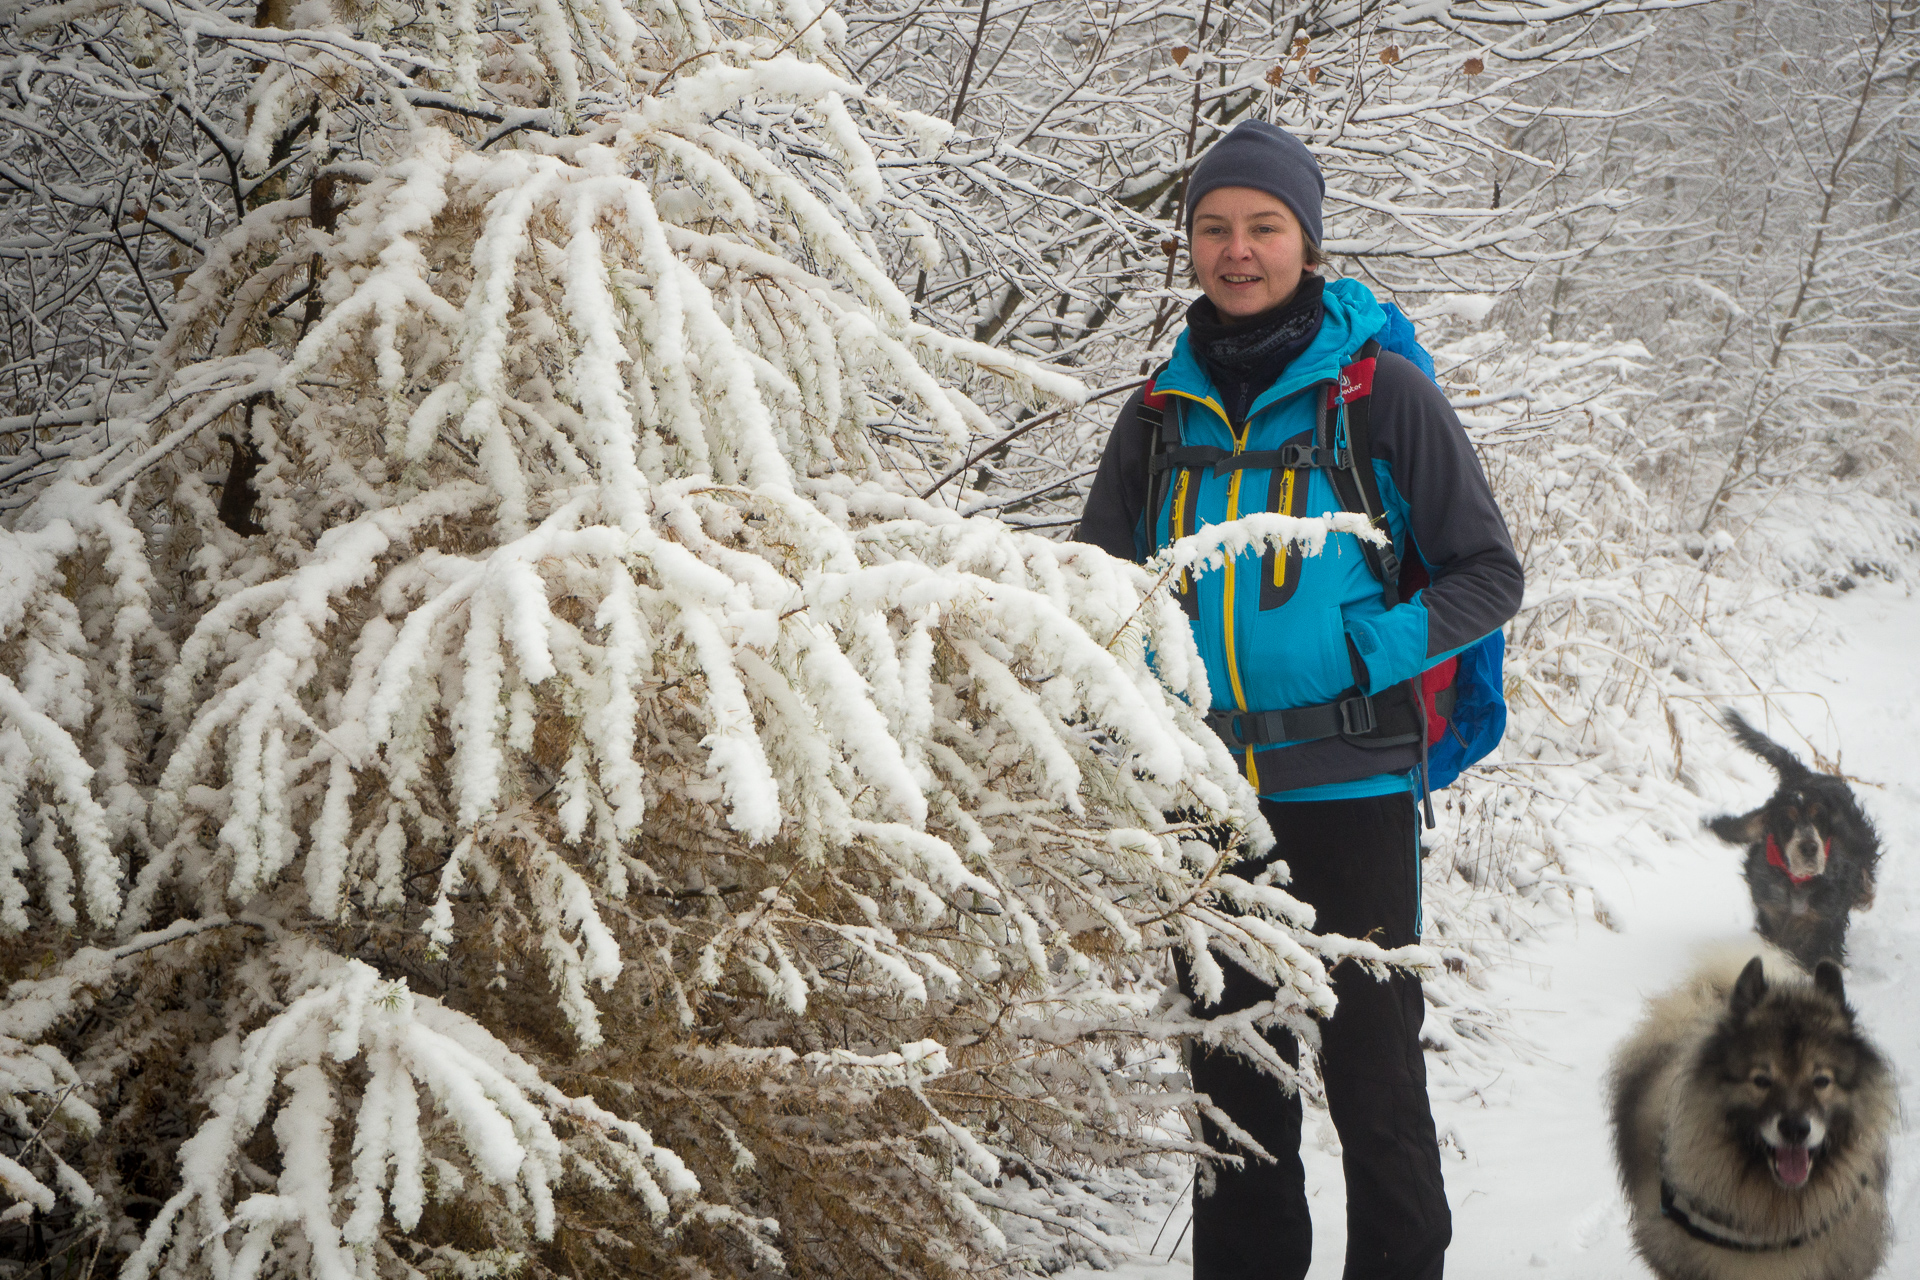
1532 1184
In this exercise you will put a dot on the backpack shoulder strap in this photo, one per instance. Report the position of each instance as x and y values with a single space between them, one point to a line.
1162 420
1349 401
1153 401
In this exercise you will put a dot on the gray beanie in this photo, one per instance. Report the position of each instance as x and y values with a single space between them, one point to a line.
1267 158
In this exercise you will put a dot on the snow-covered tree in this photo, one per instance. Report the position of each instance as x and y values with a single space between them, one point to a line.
1076 125
499 770
1766 258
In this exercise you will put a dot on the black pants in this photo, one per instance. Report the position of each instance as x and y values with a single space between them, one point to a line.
1356 863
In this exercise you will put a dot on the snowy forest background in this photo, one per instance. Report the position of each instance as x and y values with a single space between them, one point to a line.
547 722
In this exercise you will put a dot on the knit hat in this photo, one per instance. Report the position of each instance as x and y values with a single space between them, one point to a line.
1267 158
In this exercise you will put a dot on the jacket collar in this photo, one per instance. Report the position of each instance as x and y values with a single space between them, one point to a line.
1350 316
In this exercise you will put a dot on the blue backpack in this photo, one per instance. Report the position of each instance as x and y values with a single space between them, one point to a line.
1465 704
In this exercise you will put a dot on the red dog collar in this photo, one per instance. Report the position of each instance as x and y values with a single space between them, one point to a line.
1775 860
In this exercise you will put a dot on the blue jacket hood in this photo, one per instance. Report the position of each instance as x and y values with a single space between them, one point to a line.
1350 315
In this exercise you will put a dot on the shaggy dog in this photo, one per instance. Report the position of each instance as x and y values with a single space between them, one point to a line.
1751 1121
1811 854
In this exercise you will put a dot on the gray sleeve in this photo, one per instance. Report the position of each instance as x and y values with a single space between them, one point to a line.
1455 523
1111 518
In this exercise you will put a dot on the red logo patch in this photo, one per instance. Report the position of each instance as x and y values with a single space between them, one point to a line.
1356 381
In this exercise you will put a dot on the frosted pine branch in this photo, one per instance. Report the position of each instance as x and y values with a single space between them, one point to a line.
500 584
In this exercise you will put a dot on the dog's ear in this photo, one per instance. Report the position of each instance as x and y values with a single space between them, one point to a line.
1743 830
1827 980
1750 989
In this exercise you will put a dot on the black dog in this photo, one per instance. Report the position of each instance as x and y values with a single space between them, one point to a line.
1811 854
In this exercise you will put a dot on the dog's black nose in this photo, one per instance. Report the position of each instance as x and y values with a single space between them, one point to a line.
1794 1130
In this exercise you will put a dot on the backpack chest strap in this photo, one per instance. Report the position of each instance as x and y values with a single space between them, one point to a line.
1195 457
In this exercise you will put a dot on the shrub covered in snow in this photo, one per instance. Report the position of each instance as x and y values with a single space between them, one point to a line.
498 770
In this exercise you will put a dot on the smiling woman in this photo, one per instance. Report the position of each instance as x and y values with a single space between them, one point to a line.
1249 252
1314 666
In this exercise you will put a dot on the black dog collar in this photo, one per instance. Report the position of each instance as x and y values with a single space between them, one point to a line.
1705 1227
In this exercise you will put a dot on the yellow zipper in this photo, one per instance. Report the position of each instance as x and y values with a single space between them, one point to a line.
1285 504
1177 521
1226 595
1226 599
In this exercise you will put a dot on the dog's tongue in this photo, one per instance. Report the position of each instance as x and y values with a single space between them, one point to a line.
1792 1164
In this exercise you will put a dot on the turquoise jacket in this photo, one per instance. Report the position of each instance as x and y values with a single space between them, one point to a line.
1281 630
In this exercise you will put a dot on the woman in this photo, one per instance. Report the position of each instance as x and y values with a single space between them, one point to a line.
1318 640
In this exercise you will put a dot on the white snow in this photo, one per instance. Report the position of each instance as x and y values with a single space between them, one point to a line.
1526 1149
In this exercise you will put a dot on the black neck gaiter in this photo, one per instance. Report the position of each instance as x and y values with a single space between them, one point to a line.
1245 357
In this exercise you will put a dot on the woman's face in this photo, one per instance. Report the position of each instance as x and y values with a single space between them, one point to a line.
1248 250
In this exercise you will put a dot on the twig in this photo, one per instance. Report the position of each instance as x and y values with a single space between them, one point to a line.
51 1113
655 86
99 1242
1175 1247
180 930
1027 495
1025 427
973 56
789 43
1169 1218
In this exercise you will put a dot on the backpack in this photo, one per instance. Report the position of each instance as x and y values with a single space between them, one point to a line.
1457 710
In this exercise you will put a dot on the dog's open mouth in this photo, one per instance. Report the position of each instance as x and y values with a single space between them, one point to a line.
1792 1165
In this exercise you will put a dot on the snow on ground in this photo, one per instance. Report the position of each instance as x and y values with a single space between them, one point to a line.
1528 1163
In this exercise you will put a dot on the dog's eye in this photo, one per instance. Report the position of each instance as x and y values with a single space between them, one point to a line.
1823 1081
1760 1080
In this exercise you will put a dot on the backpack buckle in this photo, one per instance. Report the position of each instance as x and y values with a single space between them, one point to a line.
1315 456
1357 717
